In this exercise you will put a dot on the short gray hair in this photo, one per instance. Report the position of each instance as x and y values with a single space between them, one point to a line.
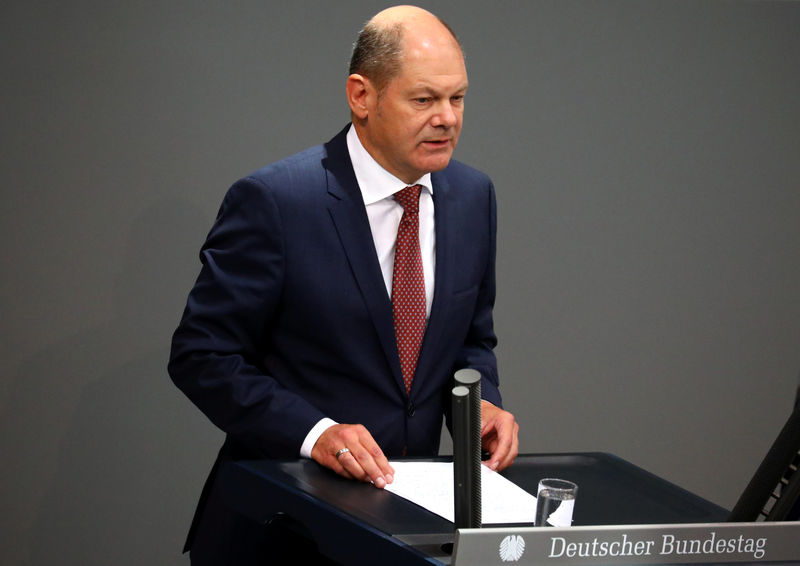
378 51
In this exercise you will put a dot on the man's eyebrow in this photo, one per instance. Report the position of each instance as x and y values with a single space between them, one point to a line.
431 90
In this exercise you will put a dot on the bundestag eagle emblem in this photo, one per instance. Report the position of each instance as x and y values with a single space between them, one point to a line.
511 548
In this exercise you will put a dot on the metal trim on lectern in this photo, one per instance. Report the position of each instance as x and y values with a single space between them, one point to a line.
611 545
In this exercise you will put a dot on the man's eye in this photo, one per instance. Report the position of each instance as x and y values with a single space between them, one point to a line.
423 100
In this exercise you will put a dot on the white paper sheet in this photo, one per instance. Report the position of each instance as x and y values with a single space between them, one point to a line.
430 485
562 516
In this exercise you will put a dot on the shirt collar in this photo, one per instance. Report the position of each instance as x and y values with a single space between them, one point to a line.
375 182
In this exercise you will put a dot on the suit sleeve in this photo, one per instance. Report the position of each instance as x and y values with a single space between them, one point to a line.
478 349
218 349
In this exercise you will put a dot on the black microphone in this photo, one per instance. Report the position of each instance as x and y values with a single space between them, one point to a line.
467 448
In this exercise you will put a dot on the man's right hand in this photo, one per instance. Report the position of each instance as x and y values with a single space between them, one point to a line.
362 460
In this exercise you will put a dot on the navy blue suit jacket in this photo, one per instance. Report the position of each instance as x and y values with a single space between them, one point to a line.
290 320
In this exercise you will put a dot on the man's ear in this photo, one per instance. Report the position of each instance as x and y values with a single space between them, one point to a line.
358 90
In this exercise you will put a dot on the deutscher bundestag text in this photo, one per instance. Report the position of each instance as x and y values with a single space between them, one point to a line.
667 546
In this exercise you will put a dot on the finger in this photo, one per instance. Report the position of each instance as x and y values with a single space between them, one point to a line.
513 451
495 443
501 438
372 462
505 442
362 460
382 466
331 450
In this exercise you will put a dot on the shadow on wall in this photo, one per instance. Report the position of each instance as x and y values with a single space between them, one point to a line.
109 456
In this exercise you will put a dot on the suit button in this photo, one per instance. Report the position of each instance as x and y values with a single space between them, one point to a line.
411 409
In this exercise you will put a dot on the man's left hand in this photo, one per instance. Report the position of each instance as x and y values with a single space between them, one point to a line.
499 436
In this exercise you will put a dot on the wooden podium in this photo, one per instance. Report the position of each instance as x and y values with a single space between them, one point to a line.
355 523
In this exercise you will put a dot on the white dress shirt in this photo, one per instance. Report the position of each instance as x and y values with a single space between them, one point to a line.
377 189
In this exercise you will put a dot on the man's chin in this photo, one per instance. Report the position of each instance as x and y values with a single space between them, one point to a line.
437 163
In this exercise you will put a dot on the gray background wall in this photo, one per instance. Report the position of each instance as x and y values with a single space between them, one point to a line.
646 161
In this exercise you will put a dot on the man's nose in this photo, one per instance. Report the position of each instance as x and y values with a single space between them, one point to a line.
446 115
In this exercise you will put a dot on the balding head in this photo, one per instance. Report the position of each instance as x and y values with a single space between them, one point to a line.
411 16
380 47
406 91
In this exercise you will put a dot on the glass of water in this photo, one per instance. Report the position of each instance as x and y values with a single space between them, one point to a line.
555 500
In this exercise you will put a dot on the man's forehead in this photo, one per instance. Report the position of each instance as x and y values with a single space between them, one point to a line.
435 72
435 41
438 57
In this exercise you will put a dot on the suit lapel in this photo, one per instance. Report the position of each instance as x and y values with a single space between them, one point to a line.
350 218
443 282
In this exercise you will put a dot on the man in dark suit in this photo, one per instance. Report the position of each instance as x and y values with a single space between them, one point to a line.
342 287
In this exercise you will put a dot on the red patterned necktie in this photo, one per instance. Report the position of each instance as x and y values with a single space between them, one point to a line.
408 285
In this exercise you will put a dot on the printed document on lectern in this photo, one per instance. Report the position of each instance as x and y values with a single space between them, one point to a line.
430 485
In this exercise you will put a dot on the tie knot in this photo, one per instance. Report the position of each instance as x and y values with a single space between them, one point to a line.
409 198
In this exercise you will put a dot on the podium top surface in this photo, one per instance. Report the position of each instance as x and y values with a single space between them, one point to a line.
612 491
